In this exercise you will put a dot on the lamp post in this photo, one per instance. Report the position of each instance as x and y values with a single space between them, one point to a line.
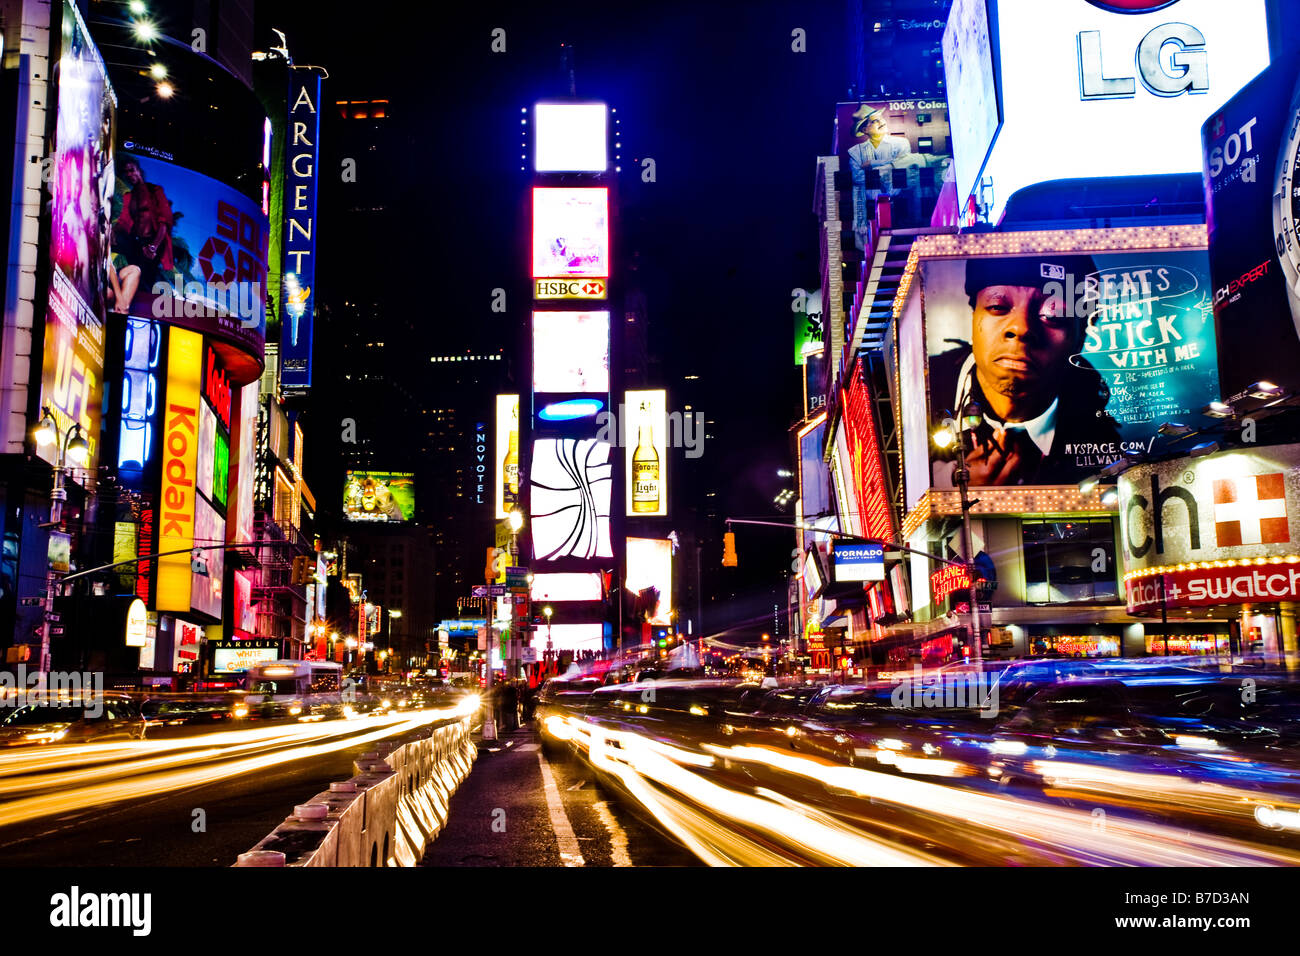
516 520
74 448
952 433
549 651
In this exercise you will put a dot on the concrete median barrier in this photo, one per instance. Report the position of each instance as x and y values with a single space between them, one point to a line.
385 815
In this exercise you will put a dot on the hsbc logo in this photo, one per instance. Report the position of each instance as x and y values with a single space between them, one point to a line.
569 289
1132 6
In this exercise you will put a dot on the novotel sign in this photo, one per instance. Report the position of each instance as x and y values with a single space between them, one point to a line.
1238 505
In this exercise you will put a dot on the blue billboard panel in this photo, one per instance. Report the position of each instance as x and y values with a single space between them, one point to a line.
859 562
302 156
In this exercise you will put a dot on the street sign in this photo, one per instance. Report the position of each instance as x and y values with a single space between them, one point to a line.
528 655
51 616
496 590
57 630
859 561
479 590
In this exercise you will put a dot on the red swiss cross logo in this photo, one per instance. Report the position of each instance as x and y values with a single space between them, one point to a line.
1251 510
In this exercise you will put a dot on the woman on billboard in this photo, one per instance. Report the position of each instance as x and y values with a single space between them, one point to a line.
143 231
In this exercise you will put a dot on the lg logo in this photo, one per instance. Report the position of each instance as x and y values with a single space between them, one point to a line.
1171 57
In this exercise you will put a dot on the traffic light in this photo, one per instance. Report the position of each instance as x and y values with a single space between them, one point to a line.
729 559
301 570
490 571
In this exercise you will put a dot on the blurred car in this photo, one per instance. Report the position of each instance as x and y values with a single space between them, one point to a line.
772 717
176 715
71 719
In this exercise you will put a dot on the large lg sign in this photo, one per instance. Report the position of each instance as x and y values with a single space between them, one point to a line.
1170 58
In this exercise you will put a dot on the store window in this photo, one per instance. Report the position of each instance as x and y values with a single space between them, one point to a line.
1070 561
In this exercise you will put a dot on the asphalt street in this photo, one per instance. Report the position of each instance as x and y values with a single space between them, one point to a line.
521 807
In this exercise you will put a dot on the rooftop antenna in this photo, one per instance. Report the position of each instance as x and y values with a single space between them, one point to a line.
566 66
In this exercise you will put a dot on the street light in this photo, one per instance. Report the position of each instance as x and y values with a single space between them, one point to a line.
549 651
72 451
950 434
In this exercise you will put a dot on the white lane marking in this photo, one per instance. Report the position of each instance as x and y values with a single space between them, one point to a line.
578 786
526 748
570 853
617 835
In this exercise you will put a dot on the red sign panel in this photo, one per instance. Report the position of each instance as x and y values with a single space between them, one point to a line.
1207 587
867 461
949 578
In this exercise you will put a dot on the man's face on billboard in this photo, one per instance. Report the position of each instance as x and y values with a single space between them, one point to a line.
1022 341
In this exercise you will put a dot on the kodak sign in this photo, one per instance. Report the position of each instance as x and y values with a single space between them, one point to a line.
179 467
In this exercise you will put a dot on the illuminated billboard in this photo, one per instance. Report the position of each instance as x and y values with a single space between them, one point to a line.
1152 74
1251 148
179 469
141 388
570 232
507 454
82 284
650 565
209 529
379 496
897 150
235 657
566 587
298 286
866 460
968 78
646 473
572 637
570 137
571 485
1074 359
571 352
191 251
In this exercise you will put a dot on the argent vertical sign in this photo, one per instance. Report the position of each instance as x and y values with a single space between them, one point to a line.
302 155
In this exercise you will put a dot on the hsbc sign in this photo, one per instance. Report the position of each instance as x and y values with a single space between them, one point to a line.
1232 506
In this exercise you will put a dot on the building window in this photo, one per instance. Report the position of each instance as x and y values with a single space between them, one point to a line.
1069 561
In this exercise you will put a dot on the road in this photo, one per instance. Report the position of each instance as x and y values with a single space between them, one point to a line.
520 808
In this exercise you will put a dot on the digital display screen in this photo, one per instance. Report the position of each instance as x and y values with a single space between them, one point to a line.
650 565
571 483
570 232
379 496
566 587
571 352
570 137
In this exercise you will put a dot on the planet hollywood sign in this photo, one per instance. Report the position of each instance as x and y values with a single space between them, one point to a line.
1223 529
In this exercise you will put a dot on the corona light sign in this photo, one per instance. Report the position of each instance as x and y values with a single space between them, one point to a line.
179 466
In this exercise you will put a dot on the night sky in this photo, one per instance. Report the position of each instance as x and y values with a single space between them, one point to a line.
733 119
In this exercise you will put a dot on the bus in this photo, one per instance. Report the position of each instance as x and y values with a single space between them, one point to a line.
302 689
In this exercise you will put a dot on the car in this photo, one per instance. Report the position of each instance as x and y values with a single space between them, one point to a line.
74 719
772 717
177 715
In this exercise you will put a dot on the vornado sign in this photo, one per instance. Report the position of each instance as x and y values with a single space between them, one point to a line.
1224 529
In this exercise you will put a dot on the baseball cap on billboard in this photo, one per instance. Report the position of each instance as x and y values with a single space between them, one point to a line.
1033 271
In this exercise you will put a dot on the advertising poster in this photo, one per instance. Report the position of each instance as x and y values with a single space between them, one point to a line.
380 496
570 232
507 454
1253 201
189 250
302 154
571 352
81 281
866 461
646 475
571 489
179 469
209 529
807 326
650 565
140 399
896 149
968 76
235 657
1073 359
